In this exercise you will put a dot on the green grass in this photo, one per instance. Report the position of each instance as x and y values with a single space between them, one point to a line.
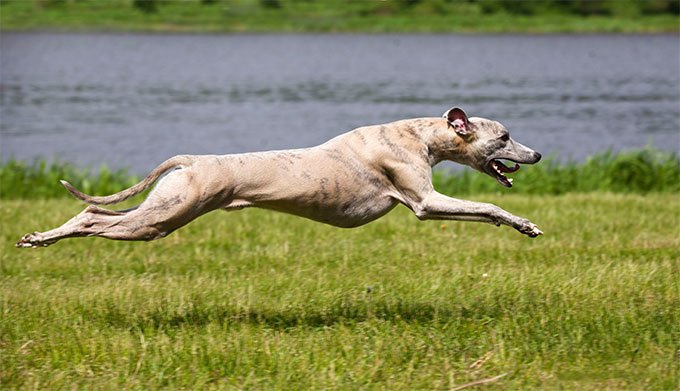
262 300
420 16
19 180
637 171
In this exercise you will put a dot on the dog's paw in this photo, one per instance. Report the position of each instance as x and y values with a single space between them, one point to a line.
31 241
530 229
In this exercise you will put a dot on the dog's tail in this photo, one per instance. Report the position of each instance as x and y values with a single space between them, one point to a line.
167 165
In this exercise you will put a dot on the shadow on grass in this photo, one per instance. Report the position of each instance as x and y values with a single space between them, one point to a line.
344 312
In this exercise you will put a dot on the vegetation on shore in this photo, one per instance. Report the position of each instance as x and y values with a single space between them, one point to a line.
642 171
262 300
426 16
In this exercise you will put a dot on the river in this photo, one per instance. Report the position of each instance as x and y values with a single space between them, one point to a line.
132 100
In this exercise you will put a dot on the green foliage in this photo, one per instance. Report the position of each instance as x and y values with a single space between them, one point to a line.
261 300
340 15
41 180
642 171
146 6
276 4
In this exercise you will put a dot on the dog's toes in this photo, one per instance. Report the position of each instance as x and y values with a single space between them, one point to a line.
25 242
534 231
530 229
30 241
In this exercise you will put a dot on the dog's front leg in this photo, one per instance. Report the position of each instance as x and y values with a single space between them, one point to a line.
436 206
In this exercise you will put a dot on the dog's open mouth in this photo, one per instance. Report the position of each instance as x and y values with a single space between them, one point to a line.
497 169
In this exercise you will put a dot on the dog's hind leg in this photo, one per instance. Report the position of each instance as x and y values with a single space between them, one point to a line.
134 224
170 206
90 222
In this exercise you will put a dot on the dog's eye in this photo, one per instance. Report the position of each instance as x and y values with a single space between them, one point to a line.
505 137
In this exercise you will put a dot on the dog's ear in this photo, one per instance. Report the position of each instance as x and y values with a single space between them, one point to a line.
459 121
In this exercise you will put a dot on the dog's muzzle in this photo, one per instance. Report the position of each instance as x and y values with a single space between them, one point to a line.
497 169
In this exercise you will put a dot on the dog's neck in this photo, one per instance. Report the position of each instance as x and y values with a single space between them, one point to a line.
443 143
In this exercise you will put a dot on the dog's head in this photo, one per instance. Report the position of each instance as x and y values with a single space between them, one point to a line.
486 144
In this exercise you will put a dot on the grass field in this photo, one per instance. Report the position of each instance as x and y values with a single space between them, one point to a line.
261 300
412 16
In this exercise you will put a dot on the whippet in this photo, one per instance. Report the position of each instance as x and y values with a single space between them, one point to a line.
346 182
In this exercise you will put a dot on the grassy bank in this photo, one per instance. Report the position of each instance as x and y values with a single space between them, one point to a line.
261 300
640 171
486 16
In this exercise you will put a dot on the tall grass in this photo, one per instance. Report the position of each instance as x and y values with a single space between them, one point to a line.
40 180
338 15
642 171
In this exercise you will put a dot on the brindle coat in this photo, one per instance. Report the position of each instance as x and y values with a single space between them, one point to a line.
348 181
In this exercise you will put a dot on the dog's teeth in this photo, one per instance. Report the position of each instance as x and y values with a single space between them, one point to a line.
510 180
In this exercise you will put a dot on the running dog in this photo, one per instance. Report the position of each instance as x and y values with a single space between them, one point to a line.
346 182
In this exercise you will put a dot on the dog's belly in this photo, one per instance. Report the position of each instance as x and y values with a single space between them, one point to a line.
348 214
325 185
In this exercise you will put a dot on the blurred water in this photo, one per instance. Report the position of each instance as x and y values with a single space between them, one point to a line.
132 100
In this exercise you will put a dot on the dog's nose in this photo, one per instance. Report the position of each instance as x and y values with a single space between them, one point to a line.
537 156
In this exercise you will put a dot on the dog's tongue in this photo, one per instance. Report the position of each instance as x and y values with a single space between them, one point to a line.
505 168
